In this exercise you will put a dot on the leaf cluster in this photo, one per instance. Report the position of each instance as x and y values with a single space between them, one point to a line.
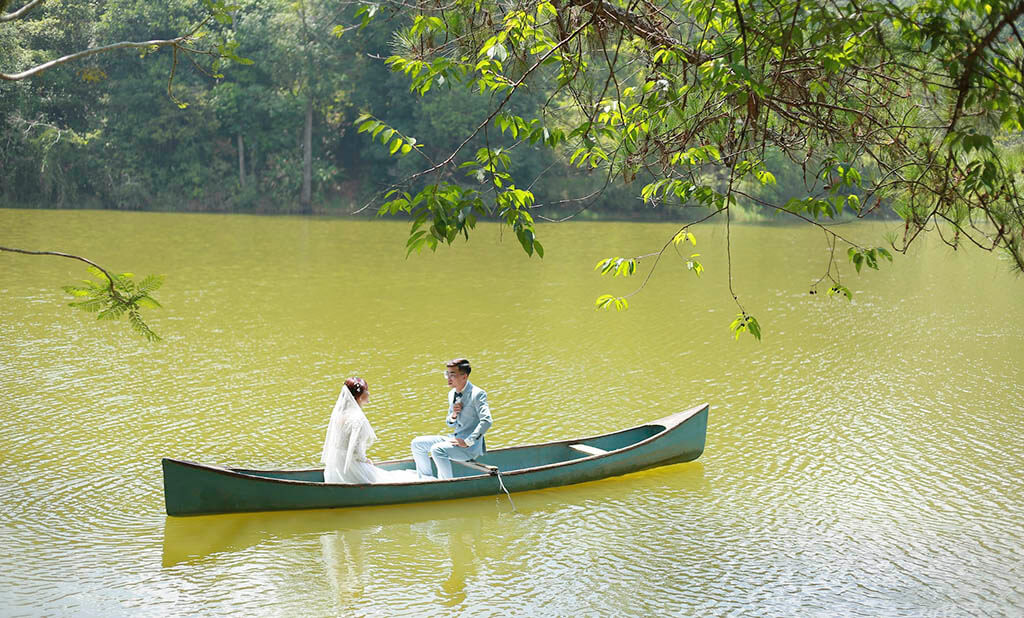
879 103
745 323
394 141
861 257
120 297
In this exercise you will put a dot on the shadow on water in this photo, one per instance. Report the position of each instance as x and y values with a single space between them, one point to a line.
194 539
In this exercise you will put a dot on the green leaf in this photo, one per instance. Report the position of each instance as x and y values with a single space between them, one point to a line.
151 283
682 236
695 265
841 289
625 267
745 322
73 291
607 301
127 297
754 327
738 326
525 236
765 177
92 306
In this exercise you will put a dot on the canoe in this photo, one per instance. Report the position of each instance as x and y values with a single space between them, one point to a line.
197 489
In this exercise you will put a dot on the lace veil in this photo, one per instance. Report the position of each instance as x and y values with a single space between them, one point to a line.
349 434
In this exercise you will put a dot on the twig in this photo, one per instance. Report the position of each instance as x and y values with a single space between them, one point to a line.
110 279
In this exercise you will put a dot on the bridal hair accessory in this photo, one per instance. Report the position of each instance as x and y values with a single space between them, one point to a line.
356 385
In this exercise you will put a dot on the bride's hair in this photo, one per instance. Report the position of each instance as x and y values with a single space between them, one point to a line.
356 386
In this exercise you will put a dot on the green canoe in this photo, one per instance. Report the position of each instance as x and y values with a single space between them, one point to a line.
197 489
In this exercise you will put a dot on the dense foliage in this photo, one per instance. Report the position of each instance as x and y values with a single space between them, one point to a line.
918 106
152 129
519 109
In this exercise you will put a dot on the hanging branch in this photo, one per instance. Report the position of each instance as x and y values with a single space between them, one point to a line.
110 278
85 53
19 13
119 296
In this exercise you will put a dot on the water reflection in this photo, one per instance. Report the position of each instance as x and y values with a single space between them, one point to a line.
193 539
346 557
396 558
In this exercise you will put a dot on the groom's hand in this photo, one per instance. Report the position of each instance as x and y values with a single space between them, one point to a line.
459 442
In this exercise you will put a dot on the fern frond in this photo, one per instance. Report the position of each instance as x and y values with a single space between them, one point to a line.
141 327
126 297
111 313
146 301
150 283
93 285
92 305
124 282
72 290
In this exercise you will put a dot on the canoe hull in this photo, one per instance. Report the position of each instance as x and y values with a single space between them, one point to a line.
197 489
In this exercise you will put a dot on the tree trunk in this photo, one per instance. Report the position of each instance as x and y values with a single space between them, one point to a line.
241 160
307 159
252 163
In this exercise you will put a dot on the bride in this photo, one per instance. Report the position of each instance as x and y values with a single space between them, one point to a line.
349 434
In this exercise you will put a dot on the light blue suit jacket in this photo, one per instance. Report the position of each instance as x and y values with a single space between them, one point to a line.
474 419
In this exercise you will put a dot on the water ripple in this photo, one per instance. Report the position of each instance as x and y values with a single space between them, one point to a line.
864 474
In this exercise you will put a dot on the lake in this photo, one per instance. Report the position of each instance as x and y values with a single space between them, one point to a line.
865 458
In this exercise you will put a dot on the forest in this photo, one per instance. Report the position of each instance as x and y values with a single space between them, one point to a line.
154 130
147 130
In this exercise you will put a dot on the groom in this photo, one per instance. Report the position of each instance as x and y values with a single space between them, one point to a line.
470 417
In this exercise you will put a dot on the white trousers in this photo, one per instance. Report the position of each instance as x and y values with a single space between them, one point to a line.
441 449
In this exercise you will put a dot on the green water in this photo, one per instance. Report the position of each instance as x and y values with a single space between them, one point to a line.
864 459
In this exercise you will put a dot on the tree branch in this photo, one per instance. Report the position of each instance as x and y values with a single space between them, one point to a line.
20 12
631 22
110 279
512 90
963 84
89 52
175 42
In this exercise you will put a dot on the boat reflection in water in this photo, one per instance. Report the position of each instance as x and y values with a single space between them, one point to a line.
443 542
449 546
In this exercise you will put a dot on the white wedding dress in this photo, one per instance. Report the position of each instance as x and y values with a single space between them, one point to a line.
349 434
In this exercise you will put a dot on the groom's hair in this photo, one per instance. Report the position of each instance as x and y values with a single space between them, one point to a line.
461 363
